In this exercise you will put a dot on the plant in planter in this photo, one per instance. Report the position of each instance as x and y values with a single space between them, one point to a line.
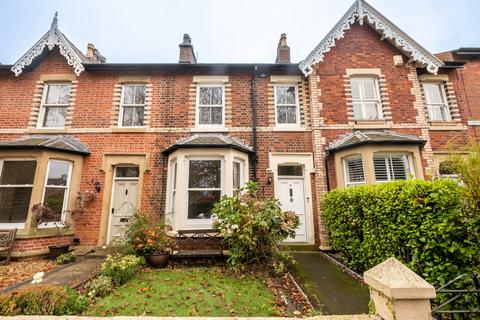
150 239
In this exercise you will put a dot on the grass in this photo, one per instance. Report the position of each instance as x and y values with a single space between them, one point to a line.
188 292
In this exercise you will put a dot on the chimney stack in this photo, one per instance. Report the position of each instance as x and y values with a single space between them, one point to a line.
283 50
186 50
94 55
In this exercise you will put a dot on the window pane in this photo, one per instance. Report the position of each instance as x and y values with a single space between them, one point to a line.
371 110
437 113
140 95
236 175
14 203
356 86
290 170
18 172
204 174
127 172
433 93
200 203
398 167
57 94
281 114
58 173
369 88
380 166
55 116
210 96
357 111
355 172
133 116
204 115
128 94
64 94
216 113
286 95
54 198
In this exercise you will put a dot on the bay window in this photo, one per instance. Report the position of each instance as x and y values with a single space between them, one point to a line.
16 184
55 193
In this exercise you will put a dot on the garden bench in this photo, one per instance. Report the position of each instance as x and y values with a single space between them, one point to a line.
7 237
197 244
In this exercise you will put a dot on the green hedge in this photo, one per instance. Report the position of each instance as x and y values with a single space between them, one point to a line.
421 223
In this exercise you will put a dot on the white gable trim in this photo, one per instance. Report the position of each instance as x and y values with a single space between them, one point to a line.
362 11
51 39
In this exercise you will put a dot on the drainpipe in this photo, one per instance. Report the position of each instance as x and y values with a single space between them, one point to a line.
254 123
327 176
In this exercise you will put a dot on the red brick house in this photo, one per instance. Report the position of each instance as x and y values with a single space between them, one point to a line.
367 105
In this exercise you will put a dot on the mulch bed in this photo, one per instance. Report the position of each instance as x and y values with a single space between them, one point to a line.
15 272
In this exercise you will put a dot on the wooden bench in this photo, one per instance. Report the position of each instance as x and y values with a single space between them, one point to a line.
7 237
191 244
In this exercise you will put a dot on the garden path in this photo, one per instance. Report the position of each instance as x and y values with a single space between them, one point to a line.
69 275
326 284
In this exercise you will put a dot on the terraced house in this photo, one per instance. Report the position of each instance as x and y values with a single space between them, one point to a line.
367 105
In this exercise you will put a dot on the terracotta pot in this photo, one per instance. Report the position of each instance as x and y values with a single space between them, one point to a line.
157 260
55 251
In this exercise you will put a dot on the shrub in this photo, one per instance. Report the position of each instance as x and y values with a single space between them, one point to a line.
422 223
252 228
99 287
144 236
66 258
43 301
121 268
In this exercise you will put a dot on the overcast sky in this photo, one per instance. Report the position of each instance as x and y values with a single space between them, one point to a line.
221 30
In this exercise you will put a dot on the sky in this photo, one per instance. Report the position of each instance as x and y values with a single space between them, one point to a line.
221 30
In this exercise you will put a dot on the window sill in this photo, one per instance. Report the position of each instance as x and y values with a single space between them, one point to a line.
48 130
129 129
287 128
209 129
446 125
40 233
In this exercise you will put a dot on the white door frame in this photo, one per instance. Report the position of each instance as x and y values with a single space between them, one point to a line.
112 198
304 159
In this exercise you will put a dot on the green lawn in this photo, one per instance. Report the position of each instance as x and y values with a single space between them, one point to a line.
188 292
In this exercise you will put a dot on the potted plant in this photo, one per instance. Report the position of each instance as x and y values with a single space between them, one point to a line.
150 239
44 215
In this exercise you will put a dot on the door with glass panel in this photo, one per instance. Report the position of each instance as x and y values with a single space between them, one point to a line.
204 189
291 194
124 202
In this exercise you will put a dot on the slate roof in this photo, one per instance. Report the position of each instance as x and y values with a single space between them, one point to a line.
208 140
57 142
357 138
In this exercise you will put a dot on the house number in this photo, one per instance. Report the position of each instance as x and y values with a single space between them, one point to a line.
291 195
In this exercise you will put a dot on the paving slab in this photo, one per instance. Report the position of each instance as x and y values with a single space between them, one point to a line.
326 284
70 275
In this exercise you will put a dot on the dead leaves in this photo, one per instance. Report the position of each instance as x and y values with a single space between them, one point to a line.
15 272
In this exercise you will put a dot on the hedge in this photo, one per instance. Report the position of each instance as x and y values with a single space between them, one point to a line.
421 223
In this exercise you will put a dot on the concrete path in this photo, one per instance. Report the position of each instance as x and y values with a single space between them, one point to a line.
70 275
326 284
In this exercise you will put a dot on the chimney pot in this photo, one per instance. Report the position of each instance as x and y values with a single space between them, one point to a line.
187 55
94 54
283 50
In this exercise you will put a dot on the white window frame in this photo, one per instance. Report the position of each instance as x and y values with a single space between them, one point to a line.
66 192
18 225
445 105
202 222
44 105
407 160
378 99
348 183
197 106
297 106
241 172
173 191
122 105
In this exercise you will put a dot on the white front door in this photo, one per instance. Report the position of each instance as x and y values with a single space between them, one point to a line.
124 204
292 198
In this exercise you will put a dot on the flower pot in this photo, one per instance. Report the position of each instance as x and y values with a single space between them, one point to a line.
55 251
157 260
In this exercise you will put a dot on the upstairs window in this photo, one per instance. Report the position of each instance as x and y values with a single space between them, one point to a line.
354 173
55 193
366 98
132 108
436 101
286 105
210 105
16 184
391 167
55 100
